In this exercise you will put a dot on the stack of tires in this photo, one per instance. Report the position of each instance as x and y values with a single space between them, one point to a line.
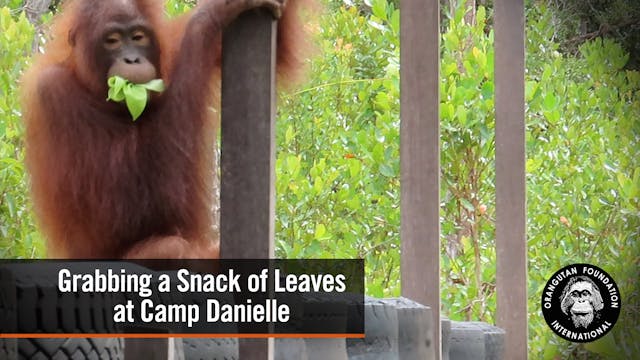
396 329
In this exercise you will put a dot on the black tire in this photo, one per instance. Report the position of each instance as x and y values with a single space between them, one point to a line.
415 329
210 349
445 337
42 310
324 349
493 337
290 349
72 349
8 349
467 342
381 333
319 311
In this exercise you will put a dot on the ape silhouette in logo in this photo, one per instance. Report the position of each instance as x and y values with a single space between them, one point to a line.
581 301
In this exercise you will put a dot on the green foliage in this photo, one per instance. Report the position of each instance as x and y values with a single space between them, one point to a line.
177 7
584 175
18 236
337 163
337 143
11 4
338 157
577 21
467 171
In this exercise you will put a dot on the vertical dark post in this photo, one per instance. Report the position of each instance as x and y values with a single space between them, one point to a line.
511 240
420 155
247 200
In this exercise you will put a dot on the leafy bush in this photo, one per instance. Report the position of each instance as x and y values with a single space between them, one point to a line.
18 236
338 161
467 168
338 156
337 198
583 175
577 21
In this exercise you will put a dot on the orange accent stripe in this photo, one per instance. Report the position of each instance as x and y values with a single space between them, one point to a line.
167 335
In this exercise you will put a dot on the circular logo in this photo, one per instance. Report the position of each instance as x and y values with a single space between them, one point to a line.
581 303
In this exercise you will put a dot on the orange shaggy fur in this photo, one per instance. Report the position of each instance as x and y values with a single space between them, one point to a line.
104 187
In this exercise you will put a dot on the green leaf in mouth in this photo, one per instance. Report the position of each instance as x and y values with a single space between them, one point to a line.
134 95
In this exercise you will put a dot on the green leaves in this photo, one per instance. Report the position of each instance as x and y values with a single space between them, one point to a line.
134 95
338 158
583 177
338 148
18 235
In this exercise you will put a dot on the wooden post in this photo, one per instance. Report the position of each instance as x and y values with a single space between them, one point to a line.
420 155
511 242
247 191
